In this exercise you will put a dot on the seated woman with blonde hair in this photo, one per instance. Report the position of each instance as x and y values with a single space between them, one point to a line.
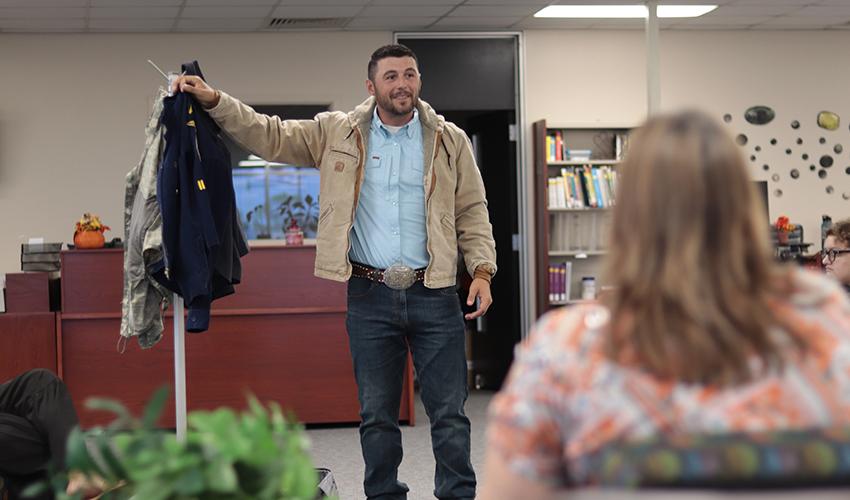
702 331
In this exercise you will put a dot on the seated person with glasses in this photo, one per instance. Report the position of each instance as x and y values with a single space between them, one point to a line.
702 332
836 253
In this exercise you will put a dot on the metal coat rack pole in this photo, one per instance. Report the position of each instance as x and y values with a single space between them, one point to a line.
179 336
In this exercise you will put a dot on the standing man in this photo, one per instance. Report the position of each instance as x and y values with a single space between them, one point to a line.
400 193
836 253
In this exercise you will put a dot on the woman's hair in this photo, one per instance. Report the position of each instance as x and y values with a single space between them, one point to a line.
841 231
690 261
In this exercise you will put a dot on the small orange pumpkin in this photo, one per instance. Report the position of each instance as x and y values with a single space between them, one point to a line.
89 239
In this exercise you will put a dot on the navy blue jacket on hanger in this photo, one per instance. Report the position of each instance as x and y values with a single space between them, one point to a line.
201 236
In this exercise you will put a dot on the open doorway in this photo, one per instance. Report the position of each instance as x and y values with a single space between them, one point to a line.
472 80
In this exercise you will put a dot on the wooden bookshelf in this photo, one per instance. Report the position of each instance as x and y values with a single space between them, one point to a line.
565 233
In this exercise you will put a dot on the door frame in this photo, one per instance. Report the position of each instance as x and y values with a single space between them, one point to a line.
522 241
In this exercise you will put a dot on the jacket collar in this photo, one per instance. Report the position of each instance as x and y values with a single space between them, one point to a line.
361 116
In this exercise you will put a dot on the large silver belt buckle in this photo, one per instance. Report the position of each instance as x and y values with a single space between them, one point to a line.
399 277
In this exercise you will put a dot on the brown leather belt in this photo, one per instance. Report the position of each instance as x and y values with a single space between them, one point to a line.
377 275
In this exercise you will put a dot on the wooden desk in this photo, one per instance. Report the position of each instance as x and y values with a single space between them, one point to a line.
281 336
27 341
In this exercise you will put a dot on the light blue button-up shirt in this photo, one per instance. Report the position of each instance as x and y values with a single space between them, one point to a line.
389 226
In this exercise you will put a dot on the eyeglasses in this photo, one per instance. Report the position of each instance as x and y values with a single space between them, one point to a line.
833 253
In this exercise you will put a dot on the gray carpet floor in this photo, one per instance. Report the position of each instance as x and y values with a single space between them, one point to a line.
338 449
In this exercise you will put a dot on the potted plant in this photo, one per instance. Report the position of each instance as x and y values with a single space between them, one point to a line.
256 219
304 211
256 454
89 232
783 228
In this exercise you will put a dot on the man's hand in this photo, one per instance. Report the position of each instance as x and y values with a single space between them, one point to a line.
207 96
479 288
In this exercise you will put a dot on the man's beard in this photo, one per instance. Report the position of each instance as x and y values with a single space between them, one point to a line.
387 104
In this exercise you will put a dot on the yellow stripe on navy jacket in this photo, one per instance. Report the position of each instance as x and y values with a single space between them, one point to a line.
202 240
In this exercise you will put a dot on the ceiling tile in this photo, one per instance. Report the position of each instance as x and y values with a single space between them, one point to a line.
42 13
229 3
416 2
479 22
316 11
825 11
400 11
750 10
326 2
550 23
806 21
608 25
540 3
224 12
233 24
136 3
495 10
44 3
133 12
45 25
132 24
391 23
731 22
694 27
781 27
773 2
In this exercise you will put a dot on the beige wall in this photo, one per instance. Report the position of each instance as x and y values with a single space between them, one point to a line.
74 108
583 77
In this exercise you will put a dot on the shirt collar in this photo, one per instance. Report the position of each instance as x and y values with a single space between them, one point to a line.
408 128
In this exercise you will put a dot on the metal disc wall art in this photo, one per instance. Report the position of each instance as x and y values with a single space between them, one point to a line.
828 120
759 115
825 154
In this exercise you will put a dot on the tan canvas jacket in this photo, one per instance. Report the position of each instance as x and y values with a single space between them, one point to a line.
335 143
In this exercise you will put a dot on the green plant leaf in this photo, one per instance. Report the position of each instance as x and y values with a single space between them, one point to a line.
154 407
190 482
77 455
110 405
221 477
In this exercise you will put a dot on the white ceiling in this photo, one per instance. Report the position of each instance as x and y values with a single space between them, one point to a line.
121 16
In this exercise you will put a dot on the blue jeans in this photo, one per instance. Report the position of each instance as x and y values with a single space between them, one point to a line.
382 323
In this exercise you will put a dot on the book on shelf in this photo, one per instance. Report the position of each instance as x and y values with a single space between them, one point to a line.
560 278
577 154
555 149
582 187
621 145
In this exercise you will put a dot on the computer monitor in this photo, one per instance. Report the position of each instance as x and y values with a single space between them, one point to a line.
761 187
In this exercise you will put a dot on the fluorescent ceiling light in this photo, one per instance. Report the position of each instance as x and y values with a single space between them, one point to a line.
622 11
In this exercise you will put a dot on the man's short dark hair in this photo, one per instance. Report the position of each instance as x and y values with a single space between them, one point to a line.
396 50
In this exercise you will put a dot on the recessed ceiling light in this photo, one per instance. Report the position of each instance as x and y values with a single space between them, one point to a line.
621 11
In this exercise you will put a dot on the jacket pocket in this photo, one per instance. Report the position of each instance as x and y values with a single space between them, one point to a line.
337 151
325 213
448 222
